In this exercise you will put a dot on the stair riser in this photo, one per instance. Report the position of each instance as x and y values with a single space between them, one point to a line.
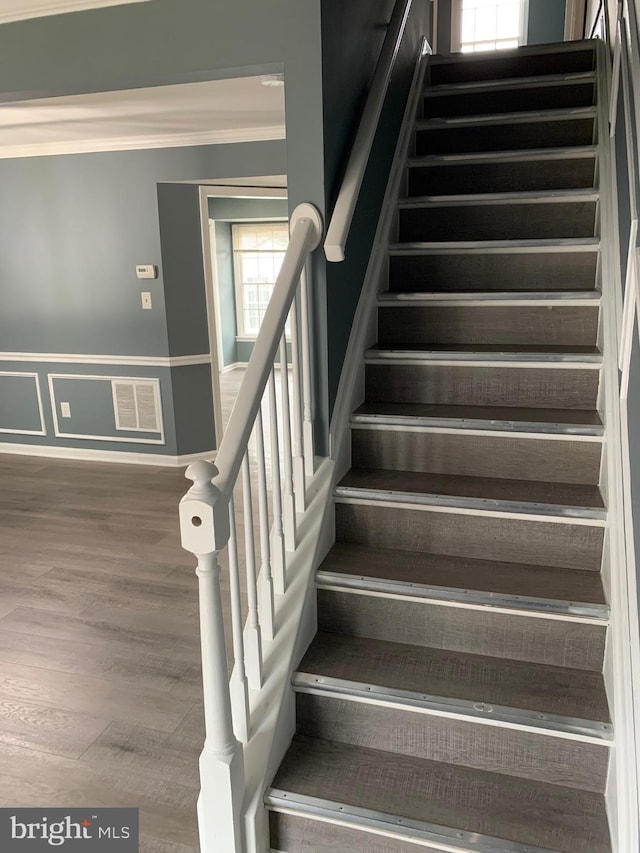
483 632
520 136
487 324
293 833
484 747
468 271
504 67
510 100
461 179
549 221
510 539
559 461
543 388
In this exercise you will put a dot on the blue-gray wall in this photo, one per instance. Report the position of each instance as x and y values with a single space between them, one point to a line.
546 21
72 229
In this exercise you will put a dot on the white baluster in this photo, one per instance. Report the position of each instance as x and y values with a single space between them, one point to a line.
265 581
288 499
204 525
299 486
254 641
307 397
278 561
238 684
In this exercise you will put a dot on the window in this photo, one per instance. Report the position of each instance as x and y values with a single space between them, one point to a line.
487 24
258 252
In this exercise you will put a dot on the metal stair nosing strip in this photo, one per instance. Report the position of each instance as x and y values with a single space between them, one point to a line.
572 728
571 245
406 829
518 155
429 592
479 424
561 114
509 83
577 196
525 298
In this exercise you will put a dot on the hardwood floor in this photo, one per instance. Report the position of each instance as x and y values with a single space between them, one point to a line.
100 686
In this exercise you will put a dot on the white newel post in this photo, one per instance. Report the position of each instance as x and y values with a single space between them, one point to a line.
204 526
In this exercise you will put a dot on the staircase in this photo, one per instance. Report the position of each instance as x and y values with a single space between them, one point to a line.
453 697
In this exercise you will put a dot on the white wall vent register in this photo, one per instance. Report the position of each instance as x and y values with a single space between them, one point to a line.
136 404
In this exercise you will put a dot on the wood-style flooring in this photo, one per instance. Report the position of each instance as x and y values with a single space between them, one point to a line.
100 685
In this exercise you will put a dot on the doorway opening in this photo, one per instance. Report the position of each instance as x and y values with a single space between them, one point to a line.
244 237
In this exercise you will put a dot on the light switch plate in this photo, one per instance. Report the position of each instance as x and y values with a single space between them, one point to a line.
145 296
65 410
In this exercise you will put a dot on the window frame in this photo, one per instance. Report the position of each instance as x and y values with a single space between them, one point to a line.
456 30
242 333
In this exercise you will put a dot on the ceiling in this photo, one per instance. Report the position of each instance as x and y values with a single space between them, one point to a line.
215 111
18 10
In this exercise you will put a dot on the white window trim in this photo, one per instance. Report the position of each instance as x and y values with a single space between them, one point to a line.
456 25
241 332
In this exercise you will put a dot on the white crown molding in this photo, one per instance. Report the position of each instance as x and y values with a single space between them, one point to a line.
170 140
83 454
125 360
21 10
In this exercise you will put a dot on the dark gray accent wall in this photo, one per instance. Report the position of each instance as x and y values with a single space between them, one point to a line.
250 209
546 21
183 269
352 37
193 408
226 293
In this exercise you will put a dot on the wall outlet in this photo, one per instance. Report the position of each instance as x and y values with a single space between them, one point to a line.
65 410
146 300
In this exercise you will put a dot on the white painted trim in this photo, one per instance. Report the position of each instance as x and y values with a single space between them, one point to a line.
622 787
84 454
51 377
234 366
36 378
113 360
213 326
573 20
24 10
169 140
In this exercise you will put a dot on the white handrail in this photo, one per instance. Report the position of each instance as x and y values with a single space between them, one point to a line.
208 526
345 206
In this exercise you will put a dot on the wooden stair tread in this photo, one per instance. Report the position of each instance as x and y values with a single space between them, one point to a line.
515 414
489 488
556 690
465 573
544 815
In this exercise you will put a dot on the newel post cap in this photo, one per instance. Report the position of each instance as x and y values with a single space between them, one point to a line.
204 512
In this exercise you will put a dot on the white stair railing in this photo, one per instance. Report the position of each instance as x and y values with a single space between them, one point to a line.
209 525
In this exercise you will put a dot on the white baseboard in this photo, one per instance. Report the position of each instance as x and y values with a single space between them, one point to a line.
234 366
89 455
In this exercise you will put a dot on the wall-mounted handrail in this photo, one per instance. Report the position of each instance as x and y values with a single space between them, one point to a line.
340 223
208 526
